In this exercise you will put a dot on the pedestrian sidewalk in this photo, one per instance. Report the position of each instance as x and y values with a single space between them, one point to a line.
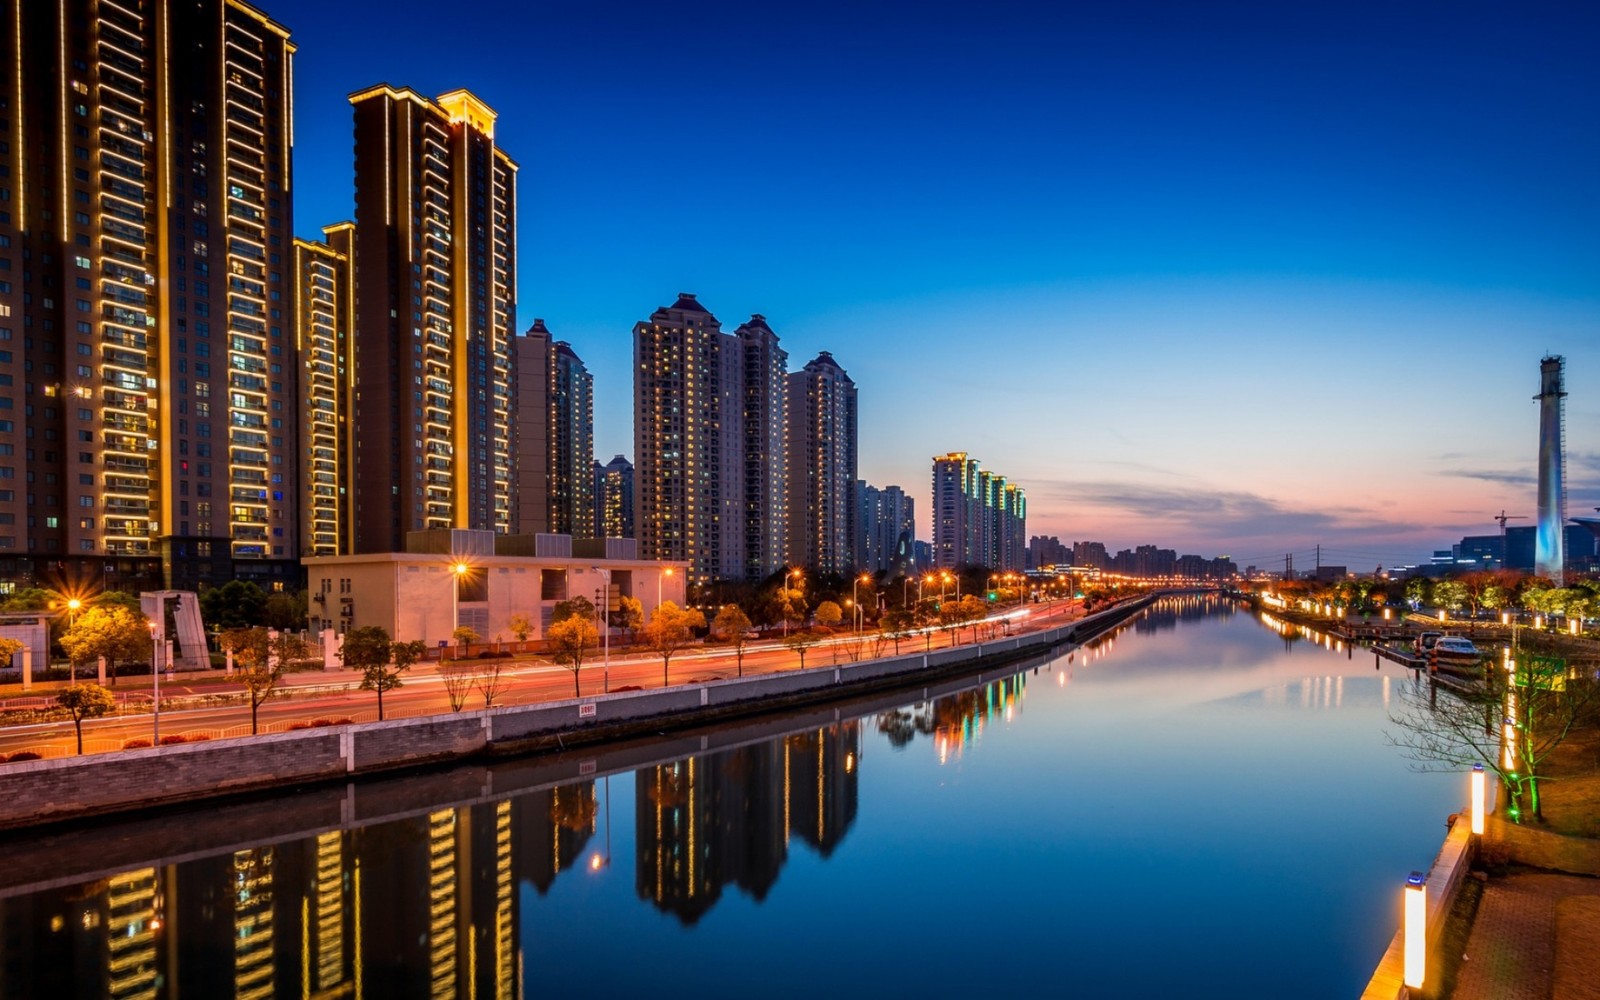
1535 937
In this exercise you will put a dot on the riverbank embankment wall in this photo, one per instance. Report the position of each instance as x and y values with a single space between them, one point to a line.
52 790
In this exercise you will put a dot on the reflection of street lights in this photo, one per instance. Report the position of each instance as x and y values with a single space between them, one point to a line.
155 677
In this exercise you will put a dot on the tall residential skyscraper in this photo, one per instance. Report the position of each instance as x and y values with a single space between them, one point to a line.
822 466
323 346
146 266
766 470
613 498
978 518
1549 548
886 530
553 434
435 259
689 441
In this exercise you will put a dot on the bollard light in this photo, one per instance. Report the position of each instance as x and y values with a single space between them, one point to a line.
1574 626
1441 616
1416 905
1477 781
1508 741
1505 618
1538 621
1387 614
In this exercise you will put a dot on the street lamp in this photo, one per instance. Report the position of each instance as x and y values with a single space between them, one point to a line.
155 678
73 604
459 568
665 572
605 625
786 599
863 578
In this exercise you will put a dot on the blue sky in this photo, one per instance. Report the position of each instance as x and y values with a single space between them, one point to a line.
1235 278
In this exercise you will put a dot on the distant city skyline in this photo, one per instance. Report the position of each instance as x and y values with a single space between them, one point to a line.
1240 279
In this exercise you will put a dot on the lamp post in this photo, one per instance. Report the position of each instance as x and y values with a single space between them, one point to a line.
786 604
73 604
664 573
155 678
459 569
603 612
864 577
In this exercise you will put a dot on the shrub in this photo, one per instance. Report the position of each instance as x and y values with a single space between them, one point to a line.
299 725
135 744
343 722
24 755
627 687
174 740
320 723
199 737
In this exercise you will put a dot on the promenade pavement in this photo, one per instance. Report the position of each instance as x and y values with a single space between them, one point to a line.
1536 937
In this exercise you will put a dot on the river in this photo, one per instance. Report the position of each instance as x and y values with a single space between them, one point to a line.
1196 805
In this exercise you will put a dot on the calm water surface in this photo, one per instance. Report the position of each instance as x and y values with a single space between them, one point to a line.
1193 807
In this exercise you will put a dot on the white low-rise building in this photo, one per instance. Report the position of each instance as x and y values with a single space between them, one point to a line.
480 580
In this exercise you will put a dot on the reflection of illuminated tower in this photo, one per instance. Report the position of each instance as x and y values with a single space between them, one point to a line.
821 783
673 818
1549 551
252 923
552 828
133 918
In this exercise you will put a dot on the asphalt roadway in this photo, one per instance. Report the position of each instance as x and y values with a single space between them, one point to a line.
302 697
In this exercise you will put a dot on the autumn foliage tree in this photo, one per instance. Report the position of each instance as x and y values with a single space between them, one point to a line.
569 640
85 701
732 625
671 628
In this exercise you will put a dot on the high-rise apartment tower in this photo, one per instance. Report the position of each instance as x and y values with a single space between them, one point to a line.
688 433
147 415
435 297
822 466
553 437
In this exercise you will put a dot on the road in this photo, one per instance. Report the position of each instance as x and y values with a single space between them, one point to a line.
306 697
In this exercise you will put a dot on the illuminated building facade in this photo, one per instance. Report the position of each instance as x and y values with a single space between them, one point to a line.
434 260
766 469
886 529
1549 556
146 285
688 434
979 519
822 466
553 438
613 498
323 345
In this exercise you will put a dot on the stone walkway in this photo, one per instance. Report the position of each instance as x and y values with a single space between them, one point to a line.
1536 937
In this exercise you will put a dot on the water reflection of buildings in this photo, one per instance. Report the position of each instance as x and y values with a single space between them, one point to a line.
726 818
416 907
954 721
1167 612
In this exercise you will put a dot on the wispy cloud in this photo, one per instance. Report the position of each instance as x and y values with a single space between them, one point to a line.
1221 513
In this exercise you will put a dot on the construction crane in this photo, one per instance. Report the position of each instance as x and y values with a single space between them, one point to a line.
1503 517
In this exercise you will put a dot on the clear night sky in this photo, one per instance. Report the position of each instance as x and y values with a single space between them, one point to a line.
1234 278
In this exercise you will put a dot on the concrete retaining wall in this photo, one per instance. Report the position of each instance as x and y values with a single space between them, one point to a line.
43 791
1444 879
1541 848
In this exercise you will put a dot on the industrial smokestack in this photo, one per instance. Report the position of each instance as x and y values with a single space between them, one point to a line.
1549 548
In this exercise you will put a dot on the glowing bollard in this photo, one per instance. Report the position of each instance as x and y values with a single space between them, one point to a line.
1442 616
1538 621
1505 618
1387 614
1416 932
1574 626
1477 782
